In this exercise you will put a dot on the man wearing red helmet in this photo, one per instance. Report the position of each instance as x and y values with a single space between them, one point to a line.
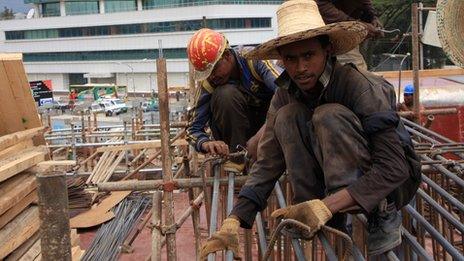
234 96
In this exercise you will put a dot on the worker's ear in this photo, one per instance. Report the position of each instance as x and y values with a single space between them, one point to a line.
328 50
227 55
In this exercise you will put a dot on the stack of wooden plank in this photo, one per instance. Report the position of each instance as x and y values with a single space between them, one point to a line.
19 216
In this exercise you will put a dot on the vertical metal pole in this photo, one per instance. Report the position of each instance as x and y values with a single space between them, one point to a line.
214 205
281 199
165 155
126 156
54 217
261 234
73 144
421 32
230 204
415 60
156 221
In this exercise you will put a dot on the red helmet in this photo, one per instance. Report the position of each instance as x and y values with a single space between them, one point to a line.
204 50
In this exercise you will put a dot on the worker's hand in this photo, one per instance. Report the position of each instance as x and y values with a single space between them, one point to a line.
373 31
216 147
313 213
225 239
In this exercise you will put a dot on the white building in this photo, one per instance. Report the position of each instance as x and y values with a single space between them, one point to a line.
117 41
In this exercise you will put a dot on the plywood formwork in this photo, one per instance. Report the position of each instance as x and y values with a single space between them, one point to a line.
17 108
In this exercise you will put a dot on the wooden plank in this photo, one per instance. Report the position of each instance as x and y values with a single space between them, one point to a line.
11 56
33 253
19 230
15 189
10 117
423 73
154 144
19 84
16 137
22 161
16 148
24 248
17 208
101 213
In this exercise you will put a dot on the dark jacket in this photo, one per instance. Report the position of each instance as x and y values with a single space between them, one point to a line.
256 79
372 99
346 10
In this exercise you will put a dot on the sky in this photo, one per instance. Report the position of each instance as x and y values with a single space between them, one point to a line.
16 5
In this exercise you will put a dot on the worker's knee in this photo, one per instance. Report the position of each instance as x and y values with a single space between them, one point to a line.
330 116
227 95
290 116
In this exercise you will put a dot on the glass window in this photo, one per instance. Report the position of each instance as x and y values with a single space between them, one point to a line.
173 26
82 7
51 9
112 6
176 53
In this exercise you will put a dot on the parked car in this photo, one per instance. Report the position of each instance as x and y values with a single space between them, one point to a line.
96 108
150 106
118 103
109 108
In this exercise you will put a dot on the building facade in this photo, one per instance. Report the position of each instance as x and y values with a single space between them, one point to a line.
117 41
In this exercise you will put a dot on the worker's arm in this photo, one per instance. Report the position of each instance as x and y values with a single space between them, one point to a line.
330 13
196 134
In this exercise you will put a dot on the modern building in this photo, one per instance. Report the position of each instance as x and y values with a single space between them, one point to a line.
117 41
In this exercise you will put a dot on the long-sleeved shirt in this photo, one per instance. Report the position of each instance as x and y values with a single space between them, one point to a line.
257 79
372 100
346 10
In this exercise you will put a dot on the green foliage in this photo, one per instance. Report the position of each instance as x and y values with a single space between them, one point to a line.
6 14
396 14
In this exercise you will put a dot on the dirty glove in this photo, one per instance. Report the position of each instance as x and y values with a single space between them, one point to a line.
313 213
225 239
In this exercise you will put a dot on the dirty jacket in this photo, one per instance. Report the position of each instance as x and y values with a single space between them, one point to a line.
256 79
346 10
372 99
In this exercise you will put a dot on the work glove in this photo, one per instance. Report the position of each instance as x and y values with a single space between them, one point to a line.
225 239
313 213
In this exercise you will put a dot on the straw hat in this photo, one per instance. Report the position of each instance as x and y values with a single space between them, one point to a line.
450 26
299 20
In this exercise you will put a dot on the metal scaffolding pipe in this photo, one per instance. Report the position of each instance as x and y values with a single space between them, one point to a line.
214 205
435 234
456 223
452 200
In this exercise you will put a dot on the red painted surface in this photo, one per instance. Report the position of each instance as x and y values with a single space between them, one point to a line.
450 125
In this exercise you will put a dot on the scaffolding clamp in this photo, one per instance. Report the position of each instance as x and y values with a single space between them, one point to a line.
170 186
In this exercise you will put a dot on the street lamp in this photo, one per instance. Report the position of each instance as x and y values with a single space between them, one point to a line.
132 73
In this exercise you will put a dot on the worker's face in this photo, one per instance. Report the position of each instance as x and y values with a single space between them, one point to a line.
222 70
408 99
304 61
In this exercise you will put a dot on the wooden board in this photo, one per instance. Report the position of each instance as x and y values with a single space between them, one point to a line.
21 161
24 248
17 107
33 253
15 189
154 144
19 230
14 138
17 208
16 148
100 213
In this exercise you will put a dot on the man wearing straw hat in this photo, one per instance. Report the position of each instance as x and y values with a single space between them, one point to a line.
234 96
335 132
333 11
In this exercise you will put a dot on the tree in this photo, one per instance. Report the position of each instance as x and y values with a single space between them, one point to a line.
6 14
396 14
